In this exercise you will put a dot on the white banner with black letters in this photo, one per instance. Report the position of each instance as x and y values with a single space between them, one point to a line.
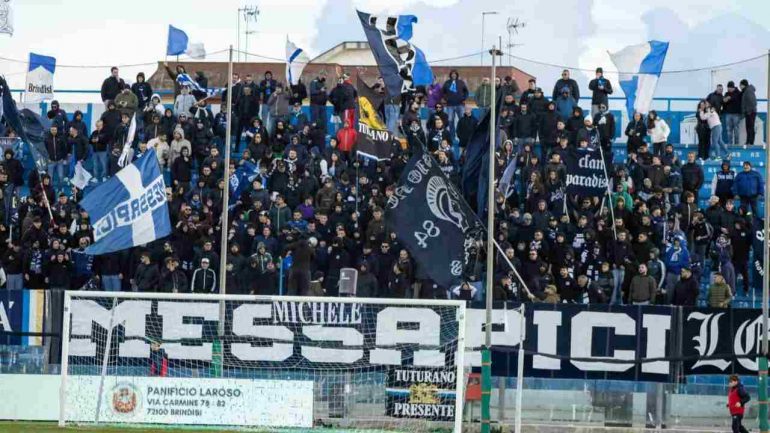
563 341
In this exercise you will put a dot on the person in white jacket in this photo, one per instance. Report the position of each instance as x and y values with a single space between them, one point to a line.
184 101
710 115
658 131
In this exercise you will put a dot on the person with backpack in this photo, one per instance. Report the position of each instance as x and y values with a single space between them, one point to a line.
737 397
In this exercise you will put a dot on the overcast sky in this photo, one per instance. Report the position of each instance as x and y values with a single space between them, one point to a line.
562 32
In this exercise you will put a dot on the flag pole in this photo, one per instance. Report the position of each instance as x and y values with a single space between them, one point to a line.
609 193
764 426
226 192
486 354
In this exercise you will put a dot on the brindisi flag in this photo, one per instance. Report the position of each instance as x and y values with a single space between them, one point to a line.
427 393
373 139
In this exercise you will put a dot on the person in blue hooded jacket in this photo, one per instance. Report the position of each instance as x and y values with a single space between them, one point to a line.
677 258
748 185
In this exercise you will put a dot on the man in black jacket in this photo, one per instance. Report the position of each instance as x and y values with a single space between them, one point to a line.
692 176
12 265
601 88
204 279
58 153
566 81
78 144
318 99
466 126
732 109
112 85
455 92
605 124
146 276
172 279
302 253
59 272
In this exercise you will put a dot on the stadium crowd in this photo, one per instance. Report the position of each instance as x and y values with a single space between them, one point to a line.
315 208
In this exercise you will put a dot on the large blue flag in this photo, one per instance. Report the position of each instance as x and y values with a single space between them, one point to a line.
130 209
402 65
242 178
639 67
177 41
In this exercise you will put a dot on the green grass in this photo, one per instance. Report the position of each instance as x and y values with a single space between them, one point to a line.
50 427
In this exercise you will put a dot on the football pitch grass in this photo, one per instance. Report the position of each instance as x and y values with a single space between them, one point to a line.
52 427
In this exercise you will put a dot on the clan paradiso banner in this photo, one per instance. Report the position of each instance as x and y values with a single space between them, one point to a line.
562 341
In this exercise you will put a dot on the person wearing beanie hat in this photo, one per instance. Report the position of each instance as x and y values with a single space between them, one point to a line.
749 109
732 111
722 182
143 92
601 88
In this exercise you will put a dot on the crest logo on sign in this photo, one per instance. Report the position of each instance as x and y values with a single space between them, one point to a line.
125 399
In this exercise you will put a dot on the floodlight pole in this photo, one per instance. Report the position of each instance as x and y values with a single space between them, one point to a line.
486 354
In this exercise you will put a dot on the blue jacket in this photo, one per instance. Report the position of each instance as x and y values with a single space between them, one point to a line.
676 259
83 263
748 184
564 107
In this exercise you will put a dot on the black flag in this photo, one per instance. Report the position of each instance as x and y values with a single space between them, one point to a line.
430 217
373 140
758 246
29 126
586 176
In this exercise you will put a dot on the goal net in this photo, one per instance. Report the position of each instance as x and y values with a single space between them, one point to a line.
262 362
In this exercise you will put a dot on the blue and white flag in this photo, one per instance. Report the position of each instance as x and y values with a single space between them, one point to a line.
402 65
639 68
178 43
185 80
130 209
507 184
39 85
296 60
242 178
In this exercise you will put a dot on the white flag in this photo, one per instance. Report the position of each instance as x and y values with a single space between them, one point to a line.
39 85
6 16
196 51
296 60
81 177
128 152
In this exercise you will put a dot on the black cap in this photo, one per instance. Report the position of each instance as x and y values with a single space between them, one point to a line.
730 85
599 69
744 82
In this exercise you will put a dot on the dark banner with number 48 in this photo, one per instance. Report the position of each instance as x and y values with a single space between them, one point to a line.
431 218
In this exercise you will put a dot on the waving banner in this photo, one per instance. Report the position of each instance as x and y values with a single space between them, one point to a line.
401 64
758 246
373 139
433 221
586 176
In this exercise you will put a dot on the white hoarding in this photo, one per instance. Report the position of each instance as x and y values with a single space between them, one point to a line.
193 401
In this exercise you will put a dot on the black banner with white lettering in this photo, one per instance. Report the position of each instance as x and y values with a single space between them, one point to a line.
373 139
431 218
586 176
640 343
758 247
721 341
426 393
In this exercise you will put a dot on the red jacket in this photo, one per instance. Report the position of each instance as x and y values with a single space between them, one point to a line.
346 139
736 395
